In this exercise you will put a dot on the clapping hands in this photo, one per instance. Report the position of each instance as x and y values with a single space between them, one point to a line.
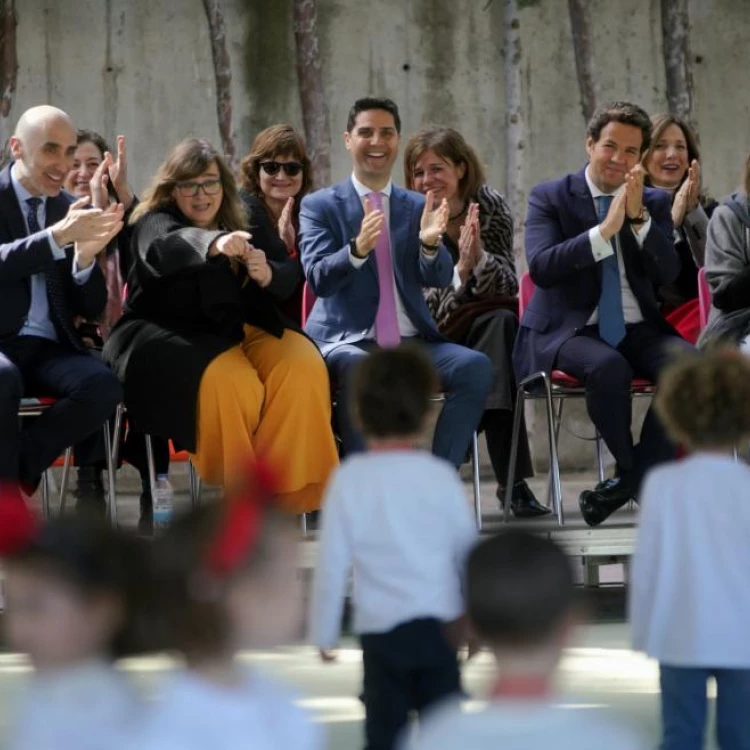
687 197
434 220
469 246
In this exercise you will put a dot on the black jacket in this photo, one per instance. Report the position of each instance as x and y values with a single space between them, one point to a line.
185 308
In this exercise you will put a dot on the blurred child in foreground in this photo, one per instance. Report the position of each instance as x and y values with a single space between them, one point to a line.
74 597
689 596
521 605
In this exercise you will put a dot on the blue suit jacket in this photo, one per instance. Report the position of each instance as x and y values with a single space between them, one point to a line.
347 297
568 279
22 255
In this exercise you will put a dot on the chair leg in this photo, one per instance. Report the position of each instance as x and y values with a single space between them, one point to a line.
120 411
67 460
111 469
599 456
553 457
558 424
475 479
150 462
195 485
303 523
45 495
515 435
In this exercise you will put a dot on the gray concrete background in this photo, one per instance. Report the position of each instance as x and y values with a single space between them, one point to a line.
143 68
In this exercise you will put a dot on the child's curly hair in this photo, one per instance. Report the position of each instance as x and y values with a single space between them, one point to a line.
703 399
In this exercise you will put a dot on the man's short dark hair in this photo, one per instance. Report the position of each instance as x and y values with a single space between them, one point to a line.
624 112
391 392
519 589
373 102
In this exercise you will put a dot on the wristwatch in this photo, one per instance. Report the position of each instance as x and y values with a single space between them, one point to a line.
642 217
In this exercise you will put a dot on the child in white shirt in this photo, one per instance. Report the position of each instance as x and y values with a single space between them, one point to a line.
72 595
520 601
227 580
397 518
689 594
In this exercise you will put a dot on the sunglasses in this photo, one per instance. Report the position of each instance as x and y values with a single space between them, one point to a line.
191 189
291 168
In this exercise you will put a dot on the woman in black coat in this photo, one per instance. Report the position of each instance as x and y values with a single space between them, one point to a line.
204 354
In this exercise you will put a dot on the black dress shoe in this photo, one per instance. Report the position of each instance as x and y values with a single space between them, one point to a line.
523 502
598 504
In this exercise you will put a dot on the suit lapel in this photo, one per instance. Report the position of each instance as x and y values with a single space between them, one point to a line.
10 208
583 201
351 206
56 209
400 220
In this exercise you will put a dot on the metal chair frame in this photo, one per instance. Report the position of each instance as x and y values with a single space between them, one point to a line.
557 388
35 407
195 480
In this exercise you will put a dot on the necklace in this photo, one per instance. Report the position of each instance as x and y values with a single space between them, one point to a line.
459 214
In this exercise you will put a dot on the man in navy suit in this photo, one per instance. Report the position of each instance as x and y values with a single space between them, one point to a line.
48 274
597 244
368 249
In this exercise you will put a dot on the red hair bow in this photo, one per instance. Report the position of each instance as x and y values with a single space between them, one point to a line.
240 526
18 525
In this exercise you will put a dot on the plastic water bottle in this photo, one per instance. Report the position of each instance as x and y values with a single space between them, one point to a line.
163 499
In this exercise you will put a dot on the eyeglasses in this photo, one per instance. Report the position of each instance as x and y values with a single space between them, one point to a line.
191 189
291 168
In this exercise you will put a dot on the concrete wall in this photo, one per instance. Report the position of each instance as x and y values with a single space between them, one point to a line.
143 68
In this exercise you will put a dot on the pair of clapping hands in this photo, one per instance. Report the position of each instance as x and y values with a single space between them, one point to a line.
90 230
237 245
628 202
432 225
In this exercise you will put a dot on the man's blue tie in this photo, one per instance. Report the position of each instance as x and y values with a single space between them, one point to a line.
611 316
55 289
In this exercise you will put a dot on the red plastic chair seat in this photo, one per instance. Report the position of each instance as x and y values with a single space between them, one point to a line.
563 380
35 402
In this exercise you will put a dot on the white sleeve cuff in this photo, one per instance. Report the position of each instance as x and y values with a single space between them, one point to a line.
640 234
355 261
81 277
457 283
57 252
600 248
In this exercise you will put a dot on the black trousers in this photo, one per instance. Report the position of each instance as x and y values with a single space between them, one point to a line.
607 373
409 668
87 392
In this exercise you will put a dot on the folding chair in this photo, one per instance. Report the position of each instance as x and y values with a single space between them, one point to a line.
308 300
195 481
557 387
35 407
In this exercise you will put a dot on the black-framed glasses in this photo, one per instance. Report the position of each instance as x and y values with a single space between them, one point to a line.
291 168
191 189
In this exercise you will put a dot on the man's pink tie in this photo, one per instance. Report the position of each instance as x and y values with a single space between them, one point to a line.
386 320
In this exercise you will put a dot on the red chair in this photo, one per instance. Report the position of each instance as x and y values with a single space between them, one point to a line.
35 407
558 386
704 297
308 300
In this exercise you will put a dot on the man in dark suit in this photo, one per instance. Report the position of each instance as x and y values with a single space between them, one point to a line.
48 274
368 248
597 244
